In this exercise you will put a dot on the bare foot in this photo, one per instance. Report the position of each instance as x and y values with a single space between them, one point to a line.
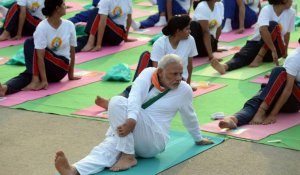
125 162
102 102
96 48
269 120
256 62
62 165
259 117
33 85
3 89
89 45
5 35
218 66
228 122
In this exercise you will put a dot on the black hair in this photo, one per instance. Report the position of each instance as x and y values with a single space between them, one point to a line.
277 2
50 6
178 22
195 3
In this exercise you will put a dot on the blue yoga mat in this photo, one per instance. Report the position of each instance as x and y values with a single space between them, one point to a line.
180 148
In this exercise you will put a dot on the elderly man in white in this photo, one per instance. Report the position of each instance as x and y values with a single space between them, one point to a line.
139 125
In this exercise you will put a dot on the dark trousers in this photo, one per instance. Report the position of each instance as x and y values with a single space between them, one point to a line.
12 20
56 68
113 35
144 62
270 93
83 16
197 33
248 53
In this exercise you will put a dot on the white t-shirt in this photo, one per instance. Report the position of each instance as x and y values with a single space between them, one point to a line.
215 17
185 4
34 7
292 64
117 10
185 49
253 4
285 20
58 40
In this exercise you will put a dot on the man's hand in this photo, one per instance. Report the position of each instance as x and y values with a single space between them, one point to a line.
275 57
126 128
204 141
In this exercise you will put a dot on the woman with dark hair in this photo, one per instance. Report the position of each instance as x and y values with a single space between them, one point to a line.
22 19
270 41
280 94
50 55
206 26
108 25
240 14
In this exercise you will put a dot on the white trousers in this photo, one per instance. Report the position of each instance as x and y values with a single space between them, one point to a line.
145 141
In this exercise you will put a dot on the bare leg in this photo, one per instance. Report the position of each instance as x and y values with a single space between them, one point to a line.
125 162
89 45
3 89
62 165
102 102
229 122
5 35
260 115
256 62
221 68
33 85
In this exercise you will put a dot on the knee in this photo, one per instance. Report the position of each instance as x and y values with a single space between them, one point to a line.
278 70
28 44
272 25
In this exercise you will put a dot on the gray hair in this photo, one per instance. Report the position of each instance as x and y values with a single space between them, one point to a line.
168 59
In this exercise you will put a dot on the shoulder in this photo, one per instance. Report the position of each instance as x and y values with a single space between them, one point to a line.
68 23
185 90
147 72
290 12
161 40
43 25
219 5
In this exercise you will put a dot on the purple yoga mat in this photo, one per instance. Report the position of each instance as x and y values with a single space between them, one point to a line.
256 132
231 36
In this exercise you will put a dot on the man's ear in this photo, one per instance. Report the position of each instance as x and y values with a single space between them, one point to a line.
159 72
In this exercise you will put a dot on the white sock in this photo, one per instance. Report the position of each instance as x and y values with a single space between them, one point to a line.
161 22
135 25
227 26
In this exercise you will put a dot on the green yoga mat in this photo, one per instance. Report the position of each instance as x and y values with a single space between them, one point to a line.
288 138
239 74
180 148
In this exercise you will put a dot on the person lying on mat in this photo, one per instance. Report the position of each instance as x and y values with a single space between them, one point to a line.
107 25
83 16
206 26
139 125
270 41
166 10
240 14
22 19
50 55
280 94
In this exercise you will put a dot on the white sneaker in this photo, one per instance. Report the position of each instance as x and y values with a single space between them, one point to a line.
135 25
227 26
161 22
153 2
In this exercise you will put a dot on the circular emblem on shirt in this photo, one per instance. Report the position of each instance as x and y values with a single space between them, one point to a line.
117 12
34 7
56 43
213 23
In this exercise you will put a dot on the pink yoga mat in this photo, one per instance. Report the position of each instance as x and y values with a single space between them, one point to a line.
138 13
294 45
93 111
65 84
260 80
107 50
231 36
74 6
8 43
147 31
3 60
147 4
256 132
205 87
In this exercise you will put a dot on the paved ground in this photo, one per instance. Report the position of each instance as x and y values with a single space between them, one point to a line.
29 140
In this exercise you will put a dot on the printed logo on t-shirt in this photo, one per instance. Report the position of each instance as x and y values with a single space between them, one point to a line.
117 12
34 7
213 23
56 43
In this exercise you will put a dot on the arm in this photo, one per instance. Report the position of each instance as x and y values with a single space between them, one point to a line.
41 67
266 36
206 38
190 69
218 33
128 24
286 41
287 91
72 62
101 28
21 22
169 9
241 7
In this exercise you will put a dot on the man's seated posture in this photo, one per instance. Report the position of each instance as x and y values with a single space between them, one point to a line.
139 124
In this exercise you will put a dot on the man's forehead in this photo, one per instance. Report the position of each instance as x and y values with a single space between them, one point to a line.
174 67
